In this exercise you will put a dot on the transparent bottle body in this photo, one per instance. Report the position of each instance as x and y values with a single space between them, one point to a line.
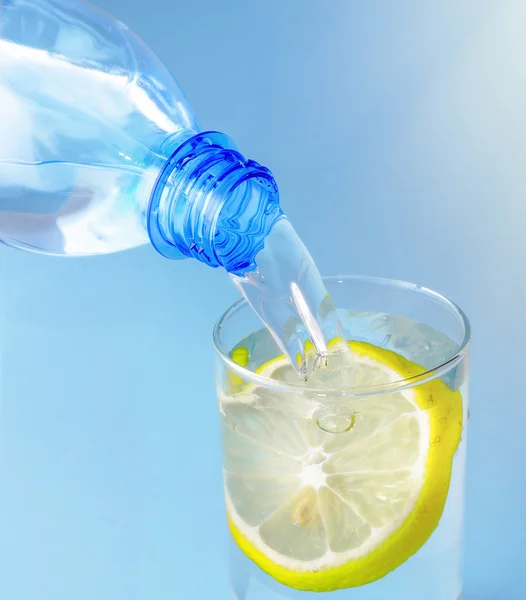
89 118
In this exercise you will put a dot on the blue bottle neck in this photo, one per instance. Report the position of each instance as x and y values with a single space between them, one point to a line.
213 204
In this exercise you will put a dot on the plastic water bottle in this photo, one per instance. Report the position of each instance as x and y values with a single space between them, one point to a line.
100 151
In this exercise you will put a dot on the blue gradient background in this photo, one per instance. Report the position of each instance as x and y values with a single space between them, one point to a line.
397 132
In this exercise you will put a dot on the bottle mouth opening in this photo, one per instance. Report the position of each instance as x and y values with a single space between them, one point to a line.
248 214
211 203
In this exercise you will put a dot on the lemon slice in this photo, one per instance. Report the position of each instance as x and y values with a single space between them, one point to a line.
320 511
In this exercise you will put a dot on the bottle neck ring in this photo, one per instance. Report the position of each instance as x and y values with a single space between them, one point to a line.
211 203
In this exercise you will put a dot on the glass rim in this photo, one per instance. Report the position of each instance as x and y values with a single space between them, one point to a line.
302 388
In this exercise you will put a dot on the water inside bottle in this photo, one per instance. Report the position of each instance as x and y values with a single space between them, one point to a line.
288 294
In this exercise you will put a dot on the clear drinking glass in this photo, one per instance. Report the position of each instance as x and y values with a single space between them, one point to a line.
348 486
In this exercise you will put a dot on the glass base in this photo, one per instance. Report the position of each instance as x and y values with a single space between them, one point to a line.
249 582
